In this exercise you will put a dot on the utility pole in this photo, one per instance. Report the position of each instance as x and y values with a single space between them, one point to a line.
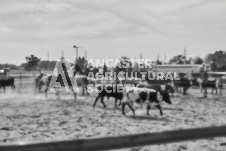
164 58
158 57
48 59
185 54
141 57
62 58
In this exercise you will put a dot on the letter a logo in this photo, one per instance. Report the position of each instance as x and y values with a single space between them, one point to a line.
61 77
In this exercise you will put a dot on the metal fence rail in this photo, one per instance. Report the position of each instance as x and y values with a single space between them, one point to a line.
119 142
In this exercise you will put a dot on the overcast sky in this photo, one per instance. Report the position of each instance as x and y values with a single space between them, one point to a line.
110 28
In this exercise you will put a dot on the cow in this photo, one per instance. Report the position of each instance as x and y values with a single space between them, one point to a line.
195 82
7 82
160 82
142 96
82 81
46 80
168 88
108 91
209 84
184 83
158 87
38 84
111 90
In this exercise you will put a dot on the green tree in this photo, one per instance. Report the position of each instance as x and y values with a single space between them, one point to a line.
10 66
48 65
179 59
32 62
220 57
82 62
158 62
125 65
198 60
176 60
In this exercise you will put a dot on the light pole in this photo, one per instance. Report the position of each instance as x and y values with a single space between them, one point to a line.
76 47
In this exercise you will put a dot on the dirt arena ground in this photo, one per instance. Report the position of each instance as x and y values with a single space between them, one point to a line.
31 118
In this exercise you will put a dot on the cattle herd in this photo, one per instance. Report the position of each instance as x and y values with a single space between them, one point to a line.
148 92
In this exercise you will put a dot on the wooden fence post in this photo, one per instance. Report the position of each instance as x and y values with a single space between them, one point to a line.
34 84
20 82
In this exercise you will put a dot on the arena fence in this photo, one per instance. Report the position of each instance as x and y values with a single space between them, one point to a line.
119 142
25 81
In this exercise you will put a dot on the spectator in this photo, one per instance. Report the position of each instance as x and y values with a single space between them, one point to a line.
204 76
202 68
220 85
203 73
104 69
214 65
77 69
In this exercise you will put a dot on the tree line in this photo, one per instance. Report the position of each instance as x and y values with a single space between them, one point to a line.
35 63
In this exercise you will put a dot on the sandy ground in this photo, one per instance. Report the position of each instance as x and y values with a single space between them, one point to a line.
31 118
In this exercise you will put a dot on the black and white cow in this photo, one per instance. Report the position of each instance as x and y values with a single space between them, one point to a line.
144 96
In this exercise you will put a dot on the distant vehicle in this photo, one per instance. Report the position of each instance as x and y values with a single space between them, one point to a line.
5 80
3 73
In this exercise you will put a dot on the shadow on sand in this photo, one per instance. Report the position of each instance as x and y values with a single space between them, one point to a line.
171 109
138 117
110 108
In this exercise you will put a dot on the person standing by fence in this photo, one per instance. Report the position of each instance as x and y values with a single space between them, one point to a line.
213 65
219 84
203 73
204 76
